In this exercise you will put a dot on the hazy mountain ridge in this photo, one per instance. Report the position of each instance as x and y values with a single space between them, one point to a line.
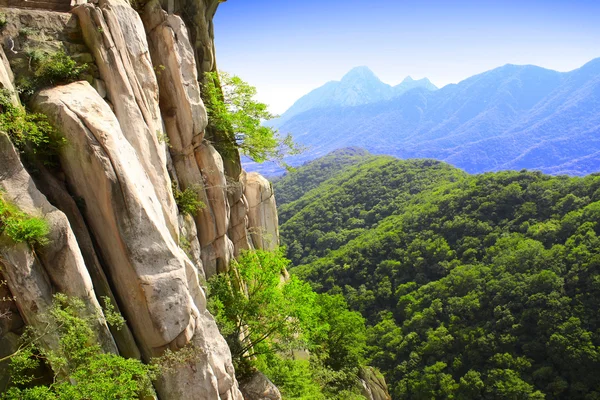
359 86
511 117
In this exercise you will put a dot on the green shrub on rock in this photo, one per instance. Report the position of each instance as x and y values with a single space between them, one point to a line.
20 227
31 133
50 69
187 200
81 370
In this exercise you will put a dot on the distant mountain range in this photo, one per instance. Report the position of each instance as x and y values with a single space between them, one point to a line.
512 117
359 86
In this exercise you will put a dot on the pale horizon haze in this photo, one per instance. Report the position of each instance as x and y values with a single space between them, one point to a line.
288 48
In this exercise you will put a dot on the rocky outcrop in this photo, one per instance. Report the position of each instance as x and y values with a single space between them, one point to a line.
58 266
373 384
30 30
155 282
34 275
56 192
259 387
198 16
139 126
238 215
115 34
11 326
213 174
262 214
51 5
7 78
197 165
188 241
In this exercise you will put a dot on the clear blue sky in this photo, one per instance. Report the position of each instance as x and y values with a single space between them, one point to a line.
288 47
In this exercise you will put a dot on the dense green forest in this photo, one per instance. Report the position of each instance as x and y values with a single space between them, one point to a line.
292 186
472 286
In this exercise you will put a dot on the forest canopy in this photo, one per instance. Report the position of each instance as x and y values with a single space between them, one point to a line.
472 286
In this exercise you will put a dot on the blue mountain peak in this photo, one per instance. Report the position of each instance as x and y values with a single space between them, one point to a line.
360 73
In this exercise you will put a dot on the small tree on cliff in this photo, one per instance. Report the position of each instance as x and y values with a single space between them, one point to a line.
269 316
233 112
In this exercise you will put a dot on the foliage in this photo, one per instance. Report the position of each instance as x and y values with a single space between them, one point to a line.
187 200
163 138
233 111
50 69
296 183
3 21
20 227
171 360
269 323
473 286
264 310
31 133
111 315
27 32
294 378
81 370
352 202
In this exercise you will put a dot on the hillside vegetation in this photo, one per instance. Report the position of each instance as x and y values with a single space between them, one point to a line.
473 286
294 185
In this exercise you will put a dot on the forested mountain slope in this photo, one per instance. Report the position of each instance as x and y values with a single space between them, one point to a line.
474 286
354 201
294 185
512 117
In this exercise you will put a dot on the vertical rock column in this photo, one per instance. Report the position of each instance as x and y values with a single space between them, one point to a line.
34 276
263 222
197 164
57 194
198 17
115 34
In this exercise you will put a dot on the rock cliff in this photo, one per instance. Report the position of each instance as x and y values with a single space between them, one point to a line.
135 132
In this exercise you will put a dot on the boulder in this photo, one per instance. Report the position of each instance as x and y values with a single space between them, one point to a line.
373 384
259 387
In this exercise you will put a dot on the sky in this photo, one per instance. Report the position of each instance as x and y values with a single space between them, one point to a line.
286 48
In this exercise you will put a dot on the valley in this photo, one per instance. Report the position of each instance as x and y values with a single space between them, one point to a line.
472 286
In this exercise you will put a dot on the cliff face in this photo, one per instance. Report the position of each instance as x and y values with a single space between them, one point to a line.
114 225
